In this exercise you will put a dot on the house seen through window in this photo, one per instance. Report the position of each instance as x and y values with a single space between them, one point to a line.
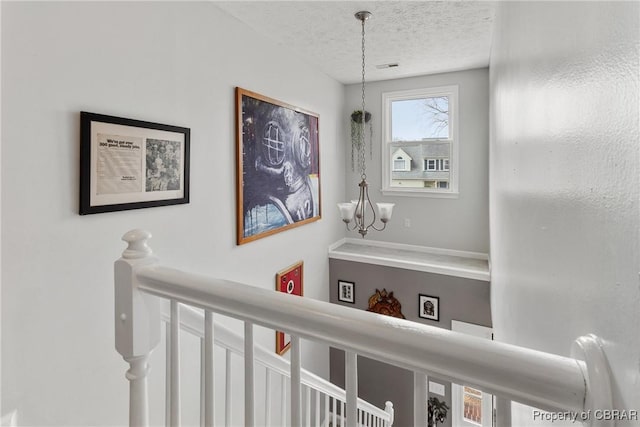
420 141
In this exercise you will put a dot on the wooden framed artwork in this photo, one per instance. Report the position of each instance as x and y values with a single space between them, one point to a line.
346 291
131 164
278 166
429 307
290 281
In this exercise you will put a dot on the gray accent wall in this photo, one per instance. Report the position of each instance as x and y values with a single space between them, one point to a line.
461 299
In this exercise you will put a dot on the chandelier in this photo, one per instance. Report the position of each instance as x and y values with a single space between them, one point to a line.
362 208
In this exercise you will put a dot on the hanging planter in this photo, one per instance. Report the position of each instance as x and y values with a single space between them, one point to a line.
356 116
357 137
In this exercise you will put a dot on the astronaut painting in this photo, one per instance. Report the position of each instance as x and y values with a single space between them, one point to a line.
278 171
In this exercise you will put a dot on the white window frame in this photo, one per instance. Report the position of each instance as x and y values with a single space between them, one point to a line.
387 143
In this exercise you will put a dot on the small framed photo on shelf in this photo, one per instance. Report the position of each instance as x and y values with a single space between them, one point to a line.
131 164
346 291
429 307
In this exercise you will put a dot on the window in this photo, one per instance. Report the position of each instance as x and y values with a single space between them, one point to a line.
422 124
472 412
401 161
398 164
436 164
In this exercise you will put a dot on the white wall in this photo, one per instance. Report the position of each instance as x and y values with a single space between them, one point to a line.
461 223
175 63
564 183
1 413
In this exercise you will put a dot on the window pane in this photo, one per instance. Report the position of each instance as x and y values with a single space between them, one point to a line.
472 405
420 119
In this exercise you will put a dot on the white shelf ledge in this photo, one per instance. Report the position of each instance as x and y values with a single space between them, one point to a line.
470 265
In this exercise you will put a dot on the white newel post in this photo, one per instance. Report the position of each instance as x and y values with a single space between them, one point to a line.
589 350
137 322
388 408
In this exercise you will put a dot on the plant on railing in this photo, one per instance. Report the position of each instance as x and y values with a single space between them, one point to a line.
437 412
357 134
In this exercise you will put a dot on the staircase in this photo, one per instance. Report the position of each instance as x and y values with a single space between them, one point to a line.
323 403
146 293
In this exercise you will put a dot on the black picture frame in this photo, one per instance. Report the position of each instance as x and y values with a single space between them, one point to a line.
346 291
278 166
131 164
429 307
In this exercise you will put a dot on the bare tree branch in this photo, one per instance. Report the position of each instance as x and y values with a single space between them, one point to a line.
437 110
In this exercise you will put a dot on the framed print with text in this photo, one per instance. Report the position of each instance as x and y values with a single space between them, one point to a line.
131 164
278 166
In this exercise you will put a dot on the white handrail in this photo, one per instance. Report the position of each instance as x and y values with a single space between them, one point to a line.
535 378
191 321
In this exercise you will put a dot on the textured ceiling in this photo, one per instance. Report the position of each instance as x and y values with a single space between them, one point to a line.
423 37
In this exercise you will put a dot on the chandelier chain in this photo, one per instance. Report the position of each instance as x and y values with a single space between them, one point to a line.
360 210
362 145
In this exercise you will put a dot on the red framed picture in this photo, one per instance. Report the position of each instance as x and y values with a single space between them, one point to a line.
288 281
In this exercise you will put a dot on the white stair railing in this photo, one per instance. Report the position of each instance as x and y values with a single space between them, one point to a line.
534 378
318 393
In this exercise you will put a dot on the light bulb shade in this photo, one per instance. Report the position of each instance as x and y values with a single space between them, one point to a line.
355 204
346 211
385 210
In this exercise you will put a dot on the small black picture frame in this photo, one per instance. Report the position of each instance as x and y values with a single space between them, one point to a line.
429 307
131 164
346 291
